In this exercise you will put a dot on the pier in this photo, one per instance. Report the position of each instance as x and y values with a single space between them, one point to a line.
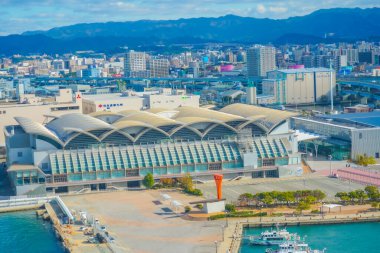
233 234
19 204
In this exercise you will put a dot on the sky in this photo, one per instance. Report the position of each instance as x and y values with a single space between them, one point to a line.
17 16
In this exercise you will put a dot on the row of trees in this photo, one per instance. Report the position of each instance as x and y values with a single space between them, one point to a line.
370 193
185 182
275 198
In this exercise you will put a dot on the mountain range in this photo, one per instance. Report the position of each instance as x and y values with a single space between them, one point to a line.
326 25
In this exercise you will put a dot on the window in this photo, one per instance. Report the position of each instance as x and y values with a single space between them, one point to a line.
377 155
19 154
360 135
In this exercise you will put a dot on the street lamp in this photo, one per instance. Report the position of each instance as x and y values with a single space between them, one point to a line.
330 158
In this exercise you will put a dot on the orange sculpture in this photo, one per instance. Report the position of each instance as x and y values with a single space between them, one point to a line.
218 181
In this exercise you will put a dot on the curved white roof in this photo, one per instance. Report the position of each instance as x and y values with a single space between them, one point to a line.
32 127
84 122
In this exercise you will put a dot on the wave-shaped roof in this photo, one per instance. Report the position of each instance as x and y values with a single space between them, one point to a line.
135 124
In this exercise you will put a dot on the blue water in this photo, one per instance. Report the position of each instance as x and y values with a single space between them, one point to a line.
23 232
341 238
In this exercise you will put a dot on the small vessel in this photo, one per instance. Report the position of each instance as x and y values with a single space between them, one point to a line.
273 237
294 247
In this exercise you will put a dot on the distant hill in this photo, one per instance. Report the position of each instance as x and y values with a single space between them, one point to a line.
340 24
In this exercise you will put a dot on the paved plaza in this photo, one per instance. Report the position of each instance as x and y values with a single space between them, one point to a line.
141 222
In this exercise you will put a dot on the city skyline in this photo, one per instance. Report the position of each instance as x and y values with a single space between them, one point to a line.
21 16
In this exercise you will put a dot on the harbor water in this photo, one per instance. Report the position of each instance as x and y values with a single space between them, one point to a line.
23 232
338 238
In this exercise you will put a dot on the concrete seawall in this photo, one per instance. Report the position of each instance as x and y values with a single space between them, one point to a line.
233 234
13 205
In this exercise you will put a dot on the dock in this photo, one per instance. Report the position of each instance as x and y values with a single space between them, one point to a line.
233 233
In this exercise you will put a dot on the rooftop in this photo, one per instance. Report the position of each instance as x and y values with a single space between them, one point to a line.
371 119
304 70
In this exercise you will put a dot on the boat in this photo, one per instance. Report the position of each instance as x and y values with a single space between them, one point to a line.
273 237
294 247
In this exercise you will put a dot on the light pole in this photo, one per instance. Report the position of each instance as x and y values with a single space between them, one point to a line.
330 158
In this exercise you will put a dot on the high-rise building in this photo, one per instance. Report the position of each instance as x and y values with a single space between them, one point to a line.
352 55
300 86
135 64
159 67
260 60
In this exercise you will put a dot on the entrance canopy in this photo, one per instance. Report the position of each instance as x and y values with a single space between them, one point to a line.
307 136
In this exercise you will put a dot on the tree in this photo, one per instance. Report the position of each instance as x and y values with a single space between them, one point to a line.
186 182
365 160
361 195
310 199
289 197
267 200
343 196
167 182
245 199
303 205
148 181
230 208
319 195
372 192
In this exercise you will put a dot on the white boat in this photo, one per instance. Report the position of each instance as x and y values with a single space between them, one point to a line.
294 247
273 237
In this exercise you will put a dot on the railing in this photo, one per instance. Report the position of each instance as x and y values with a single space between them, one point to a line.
24 202
35 201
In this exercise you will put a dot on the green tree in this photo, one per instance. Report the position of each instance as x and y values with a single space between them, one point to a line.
148 181
361 196
372 192
310 199
365 160
230 208
303 205
319 195
343 196
245 199
267 200
289 197
186 182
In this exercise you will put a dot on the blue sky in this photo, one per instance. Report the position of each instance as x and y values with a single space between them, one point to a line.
17 16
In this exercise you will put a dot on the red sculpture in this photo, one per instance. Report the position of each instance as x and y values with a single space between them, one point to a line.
218 181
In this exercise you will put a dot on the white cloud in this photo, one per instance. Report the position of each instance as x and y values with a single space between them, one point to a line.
261 8
278 9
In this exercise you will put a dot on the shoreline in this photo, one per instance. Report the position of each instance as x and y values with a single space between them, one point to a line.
233 234
20 208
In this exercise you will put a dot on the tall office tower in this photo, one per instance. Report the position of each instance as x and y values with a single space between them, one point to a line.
260 60
159 67
134 64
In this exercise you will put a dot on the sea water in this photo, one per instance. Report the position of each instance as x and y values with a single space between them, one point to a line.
339 238
23 232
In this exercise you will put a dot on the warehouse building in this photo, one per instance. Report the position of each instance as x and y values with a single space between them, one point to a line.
108 149
300 86
343 136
